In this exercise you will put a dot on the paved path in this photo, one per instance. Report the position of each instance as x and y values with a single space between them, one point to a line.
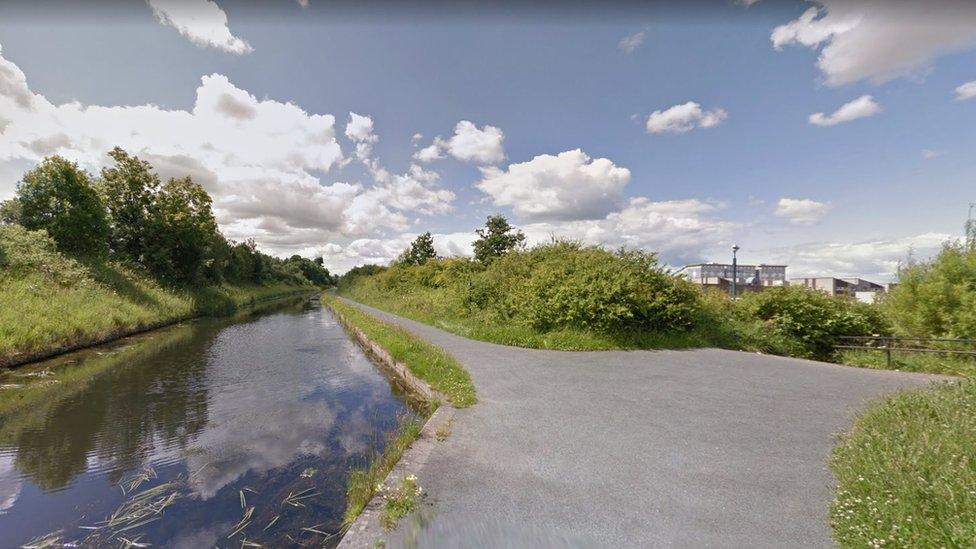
686 448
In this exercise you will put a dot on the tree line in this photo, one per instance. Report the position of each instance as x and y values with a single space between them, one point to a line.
128 214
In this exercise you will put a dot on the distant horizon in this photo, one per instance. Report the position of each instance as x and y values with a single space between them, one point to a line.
831 136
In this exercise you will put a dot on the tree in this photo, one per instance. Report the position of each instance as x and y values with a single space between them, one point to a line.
128 190
420 251
497 239
59 197
10 212
183 230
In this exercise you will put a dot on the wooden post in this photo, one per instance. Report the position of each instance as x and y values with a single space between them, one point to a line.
888 350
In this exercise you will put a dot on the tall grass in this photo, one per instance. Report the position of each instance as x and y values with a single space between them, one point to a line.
907 471
50 302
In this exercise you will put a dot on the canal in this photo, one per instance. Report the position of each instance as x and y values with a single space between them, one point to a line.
216 432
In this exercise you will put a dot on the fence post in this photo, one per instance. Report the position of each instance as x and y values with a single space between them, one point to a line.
888 351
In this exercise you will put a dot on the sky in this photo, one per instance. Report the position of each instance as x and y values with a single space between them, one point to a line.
835 137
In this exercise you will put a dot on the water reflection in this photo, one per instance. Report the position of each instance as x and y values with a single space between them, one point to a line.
248 409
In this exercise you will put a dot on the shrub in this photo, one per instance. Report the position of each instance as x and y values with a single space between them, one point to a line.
936 298
811 320
569 285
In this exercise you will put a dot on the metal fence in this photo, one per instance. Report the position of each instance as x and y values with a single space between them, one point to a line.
891 344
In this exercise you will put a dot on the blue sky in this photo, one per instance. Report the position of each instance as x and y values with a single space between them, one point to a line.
896 172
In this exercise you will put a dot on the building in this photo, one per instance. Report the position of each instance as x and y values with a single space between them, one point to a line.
857 288
749 278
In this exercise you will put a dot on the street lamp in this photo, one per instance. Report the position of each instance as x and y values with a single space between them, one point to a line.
735 269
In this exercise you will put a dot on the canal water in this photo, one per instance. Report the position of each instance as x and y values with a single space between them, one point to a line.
215 432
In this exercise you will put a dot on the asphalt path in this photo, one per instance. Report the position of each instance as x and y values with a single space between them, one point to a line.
685 448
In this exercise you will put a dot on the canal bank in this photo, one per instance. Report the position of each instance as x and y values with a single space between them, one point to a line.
211 431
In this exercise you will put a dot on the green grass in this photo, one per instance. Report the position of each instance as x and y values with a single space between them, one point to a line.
907 471
930 363
428 362
50 302
364 483
431 307
400 502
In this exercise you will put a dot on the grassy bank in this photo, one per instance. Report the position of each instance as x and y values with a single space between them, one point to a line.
50 302
907 471
430 363
436 367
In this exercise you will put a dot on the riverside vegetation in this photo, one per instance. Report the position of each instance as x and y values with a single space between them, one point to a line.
905 472
85 259
430 363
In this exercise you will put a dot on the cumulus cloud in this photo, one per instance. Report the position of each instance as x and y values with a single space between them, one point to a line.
567 186
631 42
469 143
201 21
359 130
684 118
879 39
966 91
862 107
801 211
260 159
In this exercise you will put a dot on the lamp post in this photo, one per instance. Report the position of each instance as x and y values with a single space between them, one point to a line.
735 269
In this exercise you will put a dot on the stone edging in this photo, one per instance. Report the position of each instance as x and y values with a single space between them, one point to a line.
367 530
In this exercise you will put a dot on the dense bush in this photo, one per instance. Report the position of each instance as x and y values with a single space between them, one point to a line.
936 298
550 287
809 321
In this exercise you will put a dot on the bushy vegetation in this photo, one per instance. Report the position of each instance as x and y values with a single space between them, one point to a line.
165 228
84 259
565 295
806 323
907 471
937 298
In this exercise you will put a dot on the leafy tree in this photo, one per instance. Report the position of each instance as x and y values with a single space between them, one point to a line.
312 270
497 239
10 212
128 190
59 197
183 230
420 251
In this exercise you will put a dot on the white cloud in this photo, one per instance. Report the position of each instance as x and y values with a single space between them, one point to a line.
876 260
862 107
359 130
631 42
567 186
432 152
879 39
683 118
469 143
202 21
929 154
261 160
677 229
966 91
801 211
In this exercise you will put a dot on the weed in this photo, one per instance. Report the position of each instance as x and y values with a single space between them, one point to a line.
400 502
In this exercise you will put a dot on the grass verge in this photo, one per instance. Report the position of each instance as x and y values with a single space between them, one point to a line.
930 363
424 308
907 471
428 362
364 483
